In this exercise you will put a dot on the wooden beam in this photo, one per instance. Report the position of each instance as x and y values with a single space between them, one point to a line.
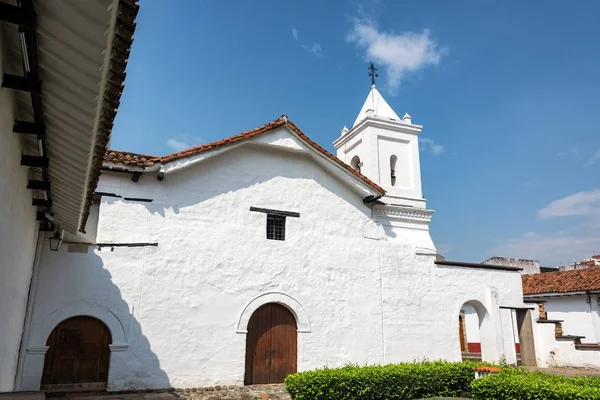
276 212
29 128
41 202
46 228
16 15
38 185
35 161
24 83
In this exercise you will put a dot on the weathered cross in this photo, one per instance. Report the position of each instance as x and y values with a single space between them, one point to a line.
372 73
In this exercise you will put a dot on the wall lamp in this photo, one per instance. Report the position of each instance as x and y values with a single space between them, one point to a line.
56 240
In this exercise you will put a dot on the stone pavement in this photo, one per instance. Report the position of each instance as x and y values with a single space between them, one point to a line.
254 392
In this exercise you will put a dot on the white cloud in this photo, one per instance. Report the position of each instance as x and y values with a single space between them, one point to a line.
399 54
551 249
572 150
578 204
177 145
595 158
183 141
578 241
430 146
314 49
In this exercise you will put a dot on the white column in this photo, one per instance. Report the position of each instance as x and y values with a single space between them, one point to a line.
595 314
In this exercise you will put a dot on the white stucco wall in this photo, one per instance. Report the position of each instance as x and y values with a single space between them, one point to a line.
471 323
17 237
552 352
362 293
577 314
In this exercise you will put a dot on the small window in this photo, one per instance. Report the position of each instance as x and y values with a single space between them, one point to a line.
275 227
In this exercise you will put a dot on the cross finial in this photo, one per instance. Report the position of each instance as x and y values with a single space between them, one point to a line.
372 73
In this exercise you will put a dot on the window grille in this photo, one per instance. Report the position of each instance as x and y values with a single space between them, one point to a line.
275 227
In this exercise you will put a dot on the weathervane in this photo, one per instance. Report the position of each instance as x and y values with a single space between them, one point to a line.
372 73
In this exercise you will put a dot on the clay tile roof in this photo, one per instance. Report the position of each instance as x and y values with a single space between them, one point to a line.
578 280
130 159
139 160
487 369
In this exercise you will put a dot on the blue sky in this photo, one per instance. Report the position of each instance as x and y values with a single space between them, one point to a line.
507 91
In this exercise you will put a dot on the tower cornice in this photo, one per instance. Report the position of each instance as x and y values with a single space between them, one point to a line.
390 125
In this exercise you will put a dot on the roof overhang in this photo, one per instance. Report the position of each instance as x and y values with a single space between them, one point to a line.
82 50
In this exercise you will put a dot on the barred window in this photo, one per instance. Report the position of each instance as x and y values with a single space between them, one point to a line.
275 227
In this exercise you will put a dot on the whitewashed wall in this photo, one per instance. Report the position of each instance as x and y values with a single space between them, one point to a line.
551 352
17 237
471 324
578 315
361 294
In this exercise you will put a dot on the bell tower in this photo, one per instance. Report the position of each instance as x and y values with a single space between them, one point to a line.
384 148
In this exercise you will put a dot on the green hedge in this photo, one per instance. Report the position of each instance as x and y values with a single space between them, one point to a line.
385 382
514 384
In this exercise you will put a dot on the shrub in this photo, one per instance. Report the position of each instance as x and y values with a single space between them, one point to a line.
394 381
516 384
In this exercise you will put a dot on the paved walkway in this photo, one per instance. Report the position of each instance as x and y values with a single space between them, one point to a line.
255 392
568 371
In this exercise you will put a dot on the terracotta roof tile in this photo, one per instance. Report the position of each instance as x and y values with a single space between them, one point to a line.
130 159
578 280
140 160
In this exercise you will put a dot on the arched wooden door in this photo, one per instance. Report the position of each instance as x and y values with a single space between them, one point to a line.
78 352
271 345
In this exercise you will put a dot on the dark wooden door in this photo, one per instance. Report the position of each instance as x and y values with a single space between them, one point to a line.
461 332
78 352
271 345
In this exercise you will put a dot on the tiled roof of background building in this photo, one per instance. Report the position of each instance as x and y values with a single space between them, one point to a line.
578 280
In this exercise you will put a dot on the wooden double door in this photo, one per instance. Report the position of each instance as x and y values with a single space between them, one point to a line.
271 345
78 352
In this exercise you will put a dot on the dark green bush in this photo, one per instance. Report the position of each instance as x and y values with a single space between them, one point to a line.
513 384
385 382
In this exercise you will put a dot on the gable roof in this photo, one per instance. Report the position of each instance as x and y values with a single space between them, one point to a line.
578 280
145 161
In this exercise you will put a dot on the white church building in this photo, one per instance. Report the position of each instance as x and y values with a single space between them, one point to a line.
256 256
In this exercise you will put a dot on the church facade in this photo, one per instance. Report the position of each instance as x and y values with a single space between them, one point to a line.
244 260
